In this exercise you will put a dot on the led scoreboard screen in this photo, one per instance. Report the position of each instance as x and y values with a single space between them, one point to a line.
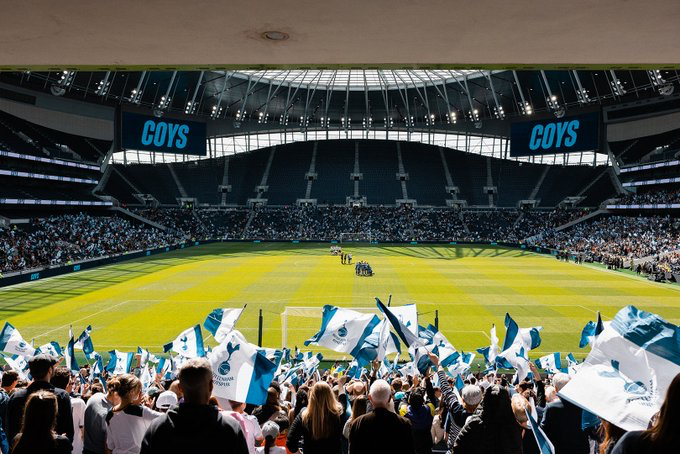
559 135
164 135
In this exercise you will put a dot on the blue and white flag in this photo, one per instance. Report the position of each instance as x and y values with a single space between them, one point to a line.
189 343
165 367
146 357
98 366
311 362
549 363
491 352
462 364
146 377
221 321
18 364
51 348
70 355
119 362
516 346
84 342
572 365
12 342
441 346
590 331
343 330
241 372
625 377
401 320
544 445
378 344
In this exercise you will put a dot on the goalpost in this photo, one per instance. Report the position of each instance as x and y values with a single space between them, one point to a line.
348 237
307 320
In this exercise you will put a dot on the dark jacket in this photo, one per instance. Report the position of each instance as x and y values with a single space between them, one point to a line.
62 445
17 402
636 443
421 427
562 425
192 428
380 431
300 432
480 437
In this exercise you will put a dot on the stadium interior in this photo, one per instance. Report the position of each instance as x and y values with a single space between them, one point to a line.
292 163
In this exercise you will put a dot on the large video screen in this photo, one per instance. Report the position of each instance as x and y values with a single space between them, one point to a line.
165 135
559 135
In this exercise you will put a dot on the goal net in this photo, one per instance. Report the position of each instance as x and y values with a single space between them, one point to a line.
347 237
299 323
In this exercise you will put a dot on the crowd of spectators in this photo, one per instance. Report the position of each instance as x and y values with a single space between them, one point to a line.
651 197
618 238
325 412
66 238
62 239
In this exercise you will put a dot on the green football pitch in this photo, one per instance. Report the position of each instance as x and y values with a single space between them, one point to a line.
147 302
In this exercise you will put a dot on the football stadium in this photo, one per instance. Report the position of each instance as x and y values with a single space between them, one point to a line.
340 228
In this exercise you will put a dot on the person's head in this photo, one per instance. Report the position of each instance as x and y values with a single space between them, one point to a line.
610 434
359 406
175 388
238 407
550 394
560 380
272 397
37 428
472 396
196 381
664 433
322 408
282 421
496 404
380 394
416 399
301 401
519 405
9 380
396 385
41 367
270 430
128 388
61 378
166 400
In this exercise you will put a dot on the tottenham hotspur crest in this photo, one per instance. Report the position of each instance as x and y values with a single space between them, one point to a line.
224 367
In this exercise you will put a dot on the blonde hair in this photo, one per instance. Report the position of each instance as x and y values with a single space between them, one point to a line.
322 408
519 406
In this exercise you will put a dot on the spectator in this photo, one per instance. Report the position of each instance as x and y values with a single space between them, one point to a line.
270 431
300 403
364 432
41 368
421 417
319 426
610 434
37 430
562 422
458 414
270 409
249 424
128 420
62 379
9 381
194 426
663 436
359 408
493 430
96 410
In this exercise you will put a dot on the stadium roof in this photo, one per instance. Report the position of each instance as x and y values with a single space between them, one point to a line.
359 79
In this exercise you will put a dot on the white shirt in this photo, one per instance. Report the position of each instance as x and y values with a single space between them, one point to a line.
78 409
125 429
272 450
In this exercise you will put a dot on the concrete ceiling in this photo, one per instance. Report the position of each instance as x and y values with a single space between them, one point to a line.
332 33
